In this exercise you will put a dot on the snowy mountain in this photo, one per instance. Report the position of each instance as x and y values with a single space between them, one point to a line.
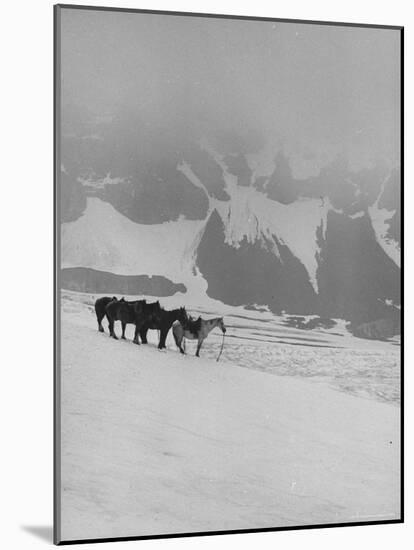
215 222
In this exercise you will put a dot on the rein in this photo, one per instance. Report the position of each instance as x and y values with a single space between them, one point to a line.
221 349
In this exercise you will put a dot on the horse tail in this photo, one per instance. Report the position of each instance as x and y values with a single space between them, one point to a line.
175 338
175 328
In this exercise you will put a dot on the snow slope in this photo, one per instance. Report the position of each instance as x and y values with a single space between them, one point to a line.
160 443
380 219
265 342
105 240
252 216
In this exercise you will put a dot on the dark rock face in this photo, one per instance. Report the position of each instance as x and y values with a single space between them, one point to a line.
152 189
280 186
391 200
82 279
149 194
156 196
355 276
237 165
252 273
347 190
381 329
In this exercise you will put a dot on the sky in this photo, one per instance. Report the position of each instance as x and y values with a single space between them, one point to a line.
315 91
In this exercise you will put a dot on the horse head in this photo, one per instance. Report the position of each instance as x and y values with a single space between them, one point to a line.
182 316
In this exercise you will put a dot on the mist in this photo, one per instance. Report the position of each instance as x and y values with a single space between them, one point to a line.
315 91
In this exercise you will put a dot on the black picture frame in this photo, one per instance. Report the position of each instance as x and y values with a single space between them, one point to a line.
56 278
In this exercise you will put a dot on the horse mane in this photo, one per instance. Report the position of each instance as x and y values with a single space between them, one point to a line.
131 302
173 310
210 321
152 306
193 325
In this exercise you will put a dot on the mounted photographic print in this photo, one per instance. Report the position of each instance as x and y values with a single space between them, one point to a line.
228 277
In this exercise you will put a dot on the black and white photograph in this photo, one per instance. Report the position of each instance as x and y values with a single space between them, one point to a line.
228 245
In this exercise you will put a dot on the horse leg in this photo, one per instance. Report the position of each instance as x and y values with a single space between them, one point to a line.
163 337
111 329
136 335
143 334
182 345
178 341
200 341
123 330
99 319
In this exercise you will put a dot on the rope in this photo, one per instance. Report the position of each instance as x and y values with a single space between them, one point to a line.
221 349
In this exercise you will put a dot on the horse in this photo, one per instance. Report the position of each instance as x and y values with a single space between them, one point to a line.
163 323
100 309
196 329
136 313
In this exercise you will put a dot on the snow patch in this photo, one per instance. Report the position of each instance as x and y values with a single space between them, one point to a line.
357 215
160 443
380 218
105 240
252 216
101 182
185 168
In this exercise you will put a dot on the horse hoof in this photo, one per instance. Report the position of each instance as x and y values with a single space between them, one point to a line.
123 337
101 329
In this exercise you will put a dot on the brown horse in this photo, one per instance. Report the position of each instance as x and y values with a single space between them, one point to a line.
196 329
163 323
100 309
135 313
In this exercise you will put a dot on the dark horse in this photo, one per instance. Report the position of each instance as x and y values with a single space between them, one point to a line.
100 309
136 313
163 323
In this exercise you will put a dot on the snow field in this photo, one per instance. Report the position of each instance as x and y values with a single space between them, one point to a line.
154 442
